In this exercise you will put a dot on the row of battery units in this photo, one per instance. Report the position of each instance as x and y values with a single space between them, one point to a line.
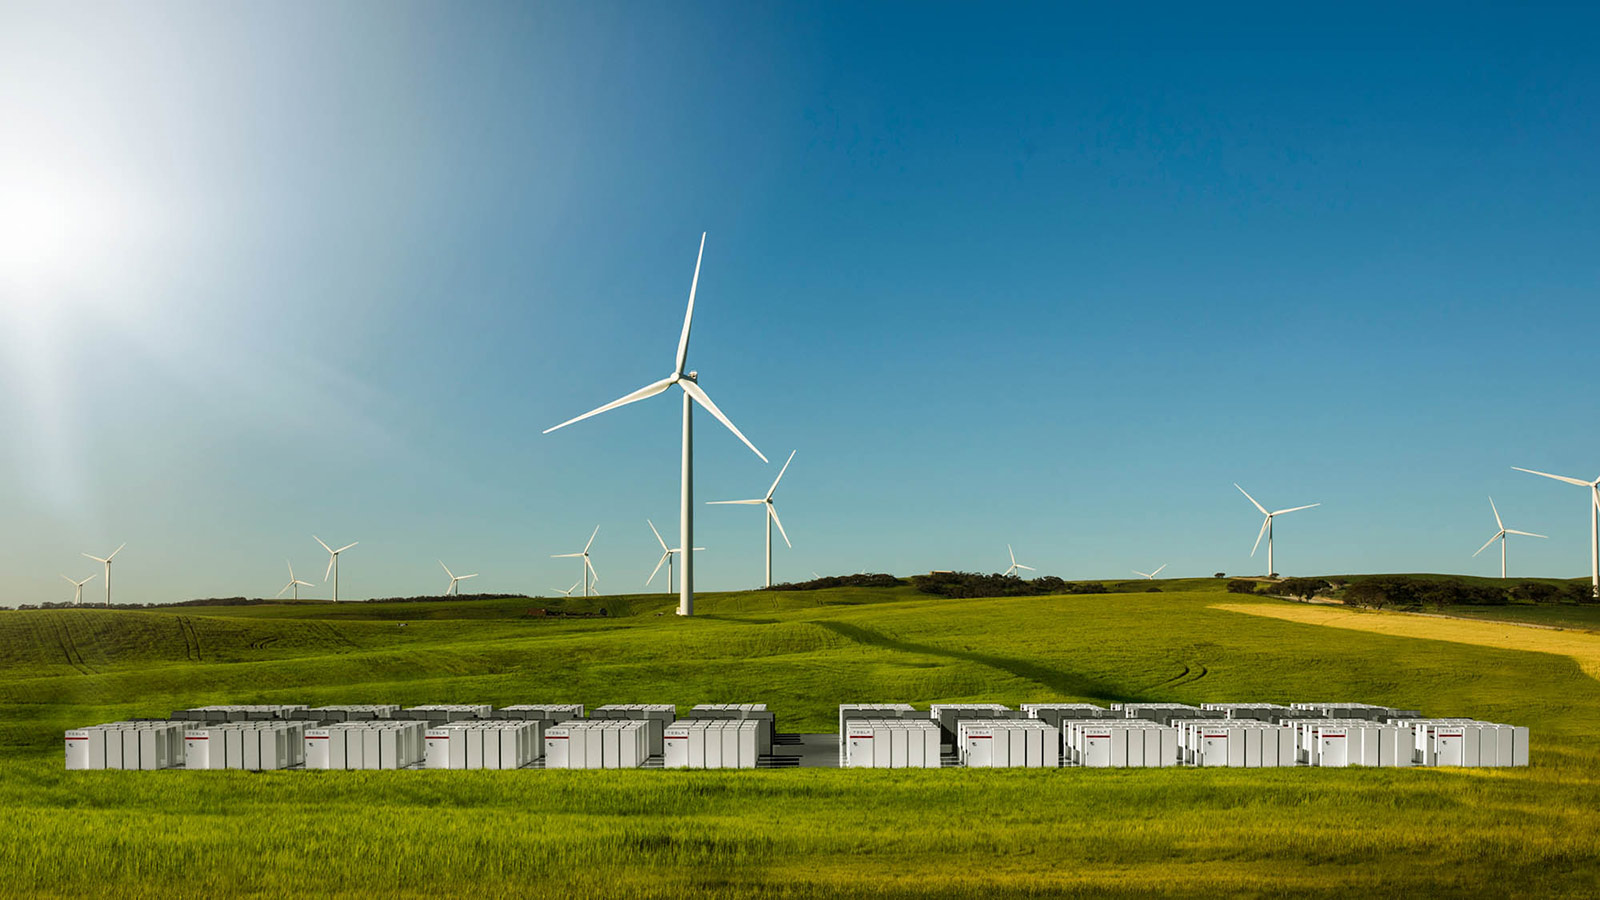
167 745
1323 742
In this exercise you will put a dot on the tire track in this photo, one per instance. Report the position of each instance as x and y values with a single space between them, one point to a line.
64 641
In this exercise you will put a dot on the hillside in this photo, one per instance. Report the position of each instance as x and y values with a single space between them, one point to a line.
798 832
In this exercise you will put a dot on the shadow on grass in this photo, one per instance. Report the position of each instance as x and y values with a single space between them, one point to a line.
1068 683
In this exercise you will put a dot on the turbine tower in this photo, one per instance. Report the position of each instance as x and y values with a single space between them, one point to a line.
1594 522
333 564
666 557
771 516
294 583
1016 565
1151 576
587 566
688 381
1501 537
77 600
107 561
1266 526
456 579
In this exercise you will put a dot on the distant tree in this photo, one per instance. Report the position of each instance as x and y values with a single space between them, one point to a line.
1220 575
1152 590
1579 592
1302 588
1241 586
1534 592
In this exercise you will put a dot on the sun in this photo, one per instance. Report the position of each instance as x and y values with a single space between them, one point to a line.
53 227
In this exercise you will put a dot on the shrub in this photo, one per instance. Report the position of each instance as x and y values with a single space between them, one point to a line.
1220 575
972 584
1240 586
1152 590
838 581
1534 592
1302 588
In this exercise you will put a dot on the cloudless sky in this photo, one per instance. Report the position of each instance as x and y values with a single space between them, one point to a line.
1055 275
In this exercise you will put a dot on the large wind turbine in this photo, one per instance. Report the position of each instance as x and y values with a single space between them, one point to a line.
456 579
666 557
333 564
107 561
294 584
1016 565
771 516
1501 537
1266 526
587 566
688 381
78 599
1150 575
1594 522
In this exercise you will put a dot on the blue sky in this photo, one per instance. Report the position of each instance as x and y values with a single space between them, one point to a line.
1047 275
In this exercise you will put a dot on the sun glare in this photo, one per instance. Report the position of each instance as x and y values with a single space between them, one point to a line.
52 229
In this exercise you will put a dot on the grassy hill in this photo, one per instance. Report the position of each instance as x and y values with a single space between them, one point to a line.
794 833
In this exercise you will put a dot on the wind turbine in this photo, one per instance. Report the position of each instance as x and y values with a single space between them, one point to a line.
689 382
1501 537
294 583
568 591
454 578
1594 521
1266 526
1016 565
107 561
587 566
78 599
333 564
666 557
1150 575
771 516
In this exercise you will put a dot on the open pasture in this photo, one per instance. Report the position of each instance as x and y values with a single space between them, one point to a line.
792 833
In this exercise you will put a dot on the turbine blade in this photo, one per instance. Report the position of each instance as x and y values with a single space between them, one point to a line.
773 511
591 568
1498 524
347 546
1261 534
1556 477
303 583
1486 544
97 559
1144 574
564 555
688 316
649 390
446 569
324 546
780 474
329 571
1158 570
1029 568
115 552
704 399
285 589
1250 498
70 581
735 502
658 538
1013 554
465 577
1294 509
591 539
1525 533
659 563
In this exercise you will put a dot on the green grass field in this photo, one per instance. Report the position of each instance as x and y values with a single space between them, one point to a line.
804 832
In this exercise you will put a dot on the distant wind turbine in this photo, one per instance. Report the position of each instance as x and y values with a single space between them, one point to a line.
454 579
1501 537
666 557
587 566
1150 575
688 381
1266 526
567 592
1016 565
77 600
771 516
333 564
294 584
107 561
1594 522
